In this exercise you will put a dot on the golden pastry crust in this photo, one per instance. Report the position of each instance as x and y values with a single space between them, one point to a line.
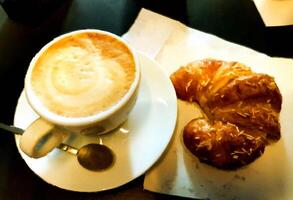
235 100
222 145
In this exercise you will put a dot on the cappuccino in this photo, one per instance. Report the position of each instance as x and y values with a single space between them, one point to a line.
83 74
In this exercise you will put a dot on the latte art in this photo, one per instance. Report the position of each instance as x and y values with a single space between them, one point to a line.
83 74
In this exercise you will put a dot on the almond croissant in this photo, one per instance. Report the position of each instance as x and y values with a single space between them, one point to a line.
241 111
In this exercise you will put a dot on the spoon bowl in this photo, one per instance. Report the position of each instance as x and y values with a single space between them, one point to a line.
95 157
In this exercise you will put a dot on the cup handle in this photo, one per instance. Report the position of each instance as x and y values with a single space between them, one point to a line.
40 138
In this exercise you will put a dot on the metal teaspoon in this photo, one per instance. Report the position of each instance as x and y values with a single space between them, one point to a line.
94 157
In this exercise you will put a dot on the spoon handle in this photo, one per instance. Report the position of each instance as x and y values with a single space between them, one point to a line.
19 131
67 148
12 129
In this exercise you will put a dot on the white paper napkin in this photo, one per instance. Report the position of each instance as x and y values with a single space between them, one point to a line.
275 12
178 172
144 35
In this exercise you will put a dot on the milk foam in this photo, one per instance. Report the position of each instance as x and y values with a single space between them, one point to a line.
82 75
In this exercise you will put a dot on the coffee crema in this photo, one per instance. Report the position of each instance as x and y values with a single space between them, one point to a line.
83 74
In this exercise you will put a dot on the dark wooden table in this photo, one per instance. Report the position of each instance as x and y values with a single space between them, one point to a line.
236 21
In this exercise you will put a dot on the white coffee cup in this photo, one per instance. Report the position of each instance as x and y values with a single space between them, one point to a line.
75 63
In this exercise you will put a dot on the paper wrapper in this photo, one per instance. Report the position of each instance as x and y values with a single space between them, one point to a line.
275 12
178 172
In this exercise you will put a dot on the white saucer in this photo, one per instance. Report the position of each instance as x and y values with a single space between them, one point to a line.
137 144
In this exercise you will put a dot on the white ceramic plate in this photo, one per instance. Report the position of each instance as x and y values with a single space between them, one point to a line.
137 144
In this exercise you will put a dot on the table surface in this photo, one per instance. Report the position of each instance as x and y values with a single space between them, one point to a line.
236 21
